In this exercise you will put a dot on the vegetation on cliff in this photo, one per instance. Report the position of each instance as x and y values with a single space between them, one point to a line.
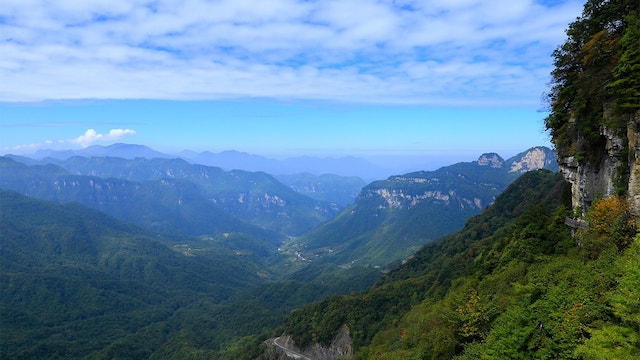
596 80
512 284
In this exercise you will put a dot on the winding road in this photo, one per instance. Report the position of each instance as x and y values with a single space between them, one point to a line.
290 353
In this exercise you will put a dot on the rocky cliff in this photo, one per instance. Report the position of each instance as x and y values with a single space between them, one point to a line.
594 103
613 166
283 348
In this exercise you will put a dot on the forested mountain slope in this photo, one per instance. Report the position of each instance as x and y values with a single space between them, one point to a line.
393 218
594 103
517 282
76 283
512 284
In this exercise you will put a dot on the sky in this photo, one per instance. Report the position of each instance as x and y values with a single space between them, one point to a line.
388 80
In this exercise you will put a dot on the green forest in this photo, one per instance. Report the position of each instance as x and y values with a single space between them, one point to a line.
596 79
515 283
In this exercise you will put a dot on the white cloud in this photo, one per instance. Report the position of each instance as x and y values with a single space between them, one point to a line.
362 50
91 136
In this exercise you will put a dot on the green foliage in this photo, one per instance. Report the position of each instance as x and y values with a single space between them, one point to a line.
619 339
393 218
75 283
593 68
626 87
439 329
511 285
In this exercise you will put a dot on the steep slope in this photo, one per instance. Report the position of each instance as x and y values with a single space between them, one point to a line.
513 284
594 103
392 218
76 283
254 197
428 274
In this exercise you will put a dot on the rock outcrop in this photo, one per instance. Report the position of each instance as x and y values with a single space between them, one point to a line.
613 168
633 136
534 159
490 159
284 348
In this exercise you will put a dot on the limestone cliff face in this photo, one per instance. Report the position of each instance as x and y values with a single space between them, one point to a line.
616 165
633 136
491 159
534 159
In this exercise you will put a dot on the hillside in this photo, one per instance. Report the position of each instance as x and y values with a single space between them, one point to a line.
511 284
594 103
79 284
393 218
517 282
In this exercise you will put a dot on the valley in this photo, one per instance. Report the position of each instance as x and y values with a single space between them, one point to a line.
237 180
260 240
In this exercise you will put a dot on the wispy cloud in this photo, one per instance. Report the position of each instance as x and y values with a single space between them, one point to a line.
403 51
90 137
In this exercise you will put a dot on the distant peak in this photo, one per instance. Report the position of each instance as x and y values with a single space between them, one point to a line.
490 159
533 159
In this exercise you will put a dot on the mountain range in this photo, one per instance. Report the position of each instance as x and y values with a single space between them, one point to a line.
170 194
388 220
392 218
232 160
292 249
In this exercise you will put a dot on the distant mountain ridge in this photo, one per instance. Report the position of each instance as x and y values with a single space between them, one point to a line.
231 160
392 218
126 151
328 187
170 194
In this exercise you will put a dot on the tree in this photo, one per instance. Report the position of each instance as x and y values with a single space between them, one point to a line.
626 87
597 63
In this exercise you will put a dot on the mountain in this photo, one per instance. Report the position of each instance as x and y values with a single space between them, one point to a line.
331 188
343 166
167 206
428 275
76 283
595 117
231 160
392 218
513 284
524 279
199 197
127 151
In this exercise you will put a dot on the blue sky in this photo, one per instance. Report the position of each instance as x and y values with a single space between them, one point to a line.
279 78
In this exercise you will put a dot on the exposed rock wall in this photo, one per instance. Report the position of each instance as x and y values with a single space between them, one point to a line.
633 134
602 175
341 347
